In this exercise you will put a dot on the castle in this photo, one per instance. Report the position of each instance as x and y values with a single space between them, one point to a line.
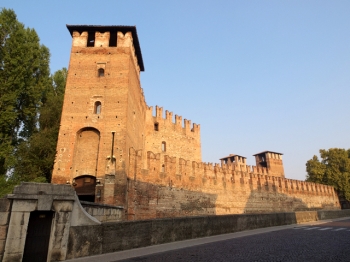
113 150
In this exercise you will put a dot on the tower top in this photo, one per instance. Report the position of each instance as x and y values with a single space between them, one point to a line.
112 29
232 156
264 152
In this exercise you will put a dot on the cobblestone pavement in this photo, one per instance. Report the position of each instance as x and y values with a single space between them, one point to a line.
324 242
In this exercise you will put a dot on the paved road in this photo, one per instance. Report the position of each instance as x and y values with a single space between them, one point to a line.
313 241
323 242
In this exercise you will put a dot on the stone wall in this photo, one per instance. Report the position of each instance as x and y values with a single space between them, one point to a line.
16 212
112 237
102 212
5 210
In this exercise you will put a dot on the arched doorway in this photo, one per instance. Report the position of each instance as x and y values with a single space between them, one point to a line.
85 187
86 152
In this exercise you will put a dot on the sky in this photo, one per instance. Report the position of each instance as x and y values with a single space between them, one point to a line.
256 75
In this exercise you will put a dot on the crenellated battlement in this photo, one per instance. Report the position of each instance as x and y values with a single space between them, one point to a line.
108 36
79 39
185 174
177 121
169 116
126 40
102 39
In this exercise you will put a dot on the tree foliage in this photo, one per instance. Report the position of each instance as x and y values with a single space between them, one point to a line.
24 73
30 103
333 170
35 156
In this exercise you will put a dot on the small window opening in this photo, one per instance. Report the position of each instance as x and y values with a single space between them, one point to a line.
101 72
97 109
91 39
163 146
156 127
163 168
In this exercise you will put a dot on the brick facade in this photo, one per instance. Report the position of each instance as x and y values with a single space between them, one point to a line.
151 164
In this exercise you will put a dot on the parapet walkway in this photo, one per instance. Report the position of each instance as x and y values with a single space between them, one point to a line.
137 252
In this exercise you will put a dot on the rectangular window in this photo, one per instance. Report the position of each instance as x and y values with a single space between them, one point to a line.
156 127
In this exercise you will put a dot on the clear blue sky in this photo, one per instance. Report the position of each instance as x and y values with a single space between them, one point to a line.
256 75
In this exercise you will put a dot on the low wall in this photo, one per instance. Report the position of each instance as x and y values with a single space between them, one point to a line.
111 237
102 212
323 214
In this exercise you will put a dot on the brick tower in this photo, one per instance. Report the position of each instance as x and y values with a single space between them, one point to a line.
103 112
272 161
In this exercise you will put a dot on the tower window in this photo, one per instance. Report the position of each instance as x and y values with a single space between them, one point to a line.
156 127
101 72
163 168
163 146
97 108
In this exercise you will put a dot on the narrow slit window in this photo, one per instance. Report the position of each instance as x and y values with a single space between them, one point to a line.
101 72
163 146
97 109
163 168
156 127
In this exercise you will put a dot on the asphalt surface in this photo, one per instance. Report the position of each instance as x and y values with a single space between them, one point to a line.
324 242
313 241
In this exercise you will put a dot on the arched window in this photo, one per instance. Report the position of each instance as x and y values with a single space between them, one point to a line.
163 146
156 127
101 72
97 108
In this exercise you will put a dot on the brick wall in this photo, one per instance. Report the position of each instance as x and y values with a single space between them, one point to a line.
188 188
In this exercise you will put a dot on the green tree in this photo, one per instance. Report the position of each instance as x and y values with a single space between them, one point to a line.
333 170
35 156
30 103
24 74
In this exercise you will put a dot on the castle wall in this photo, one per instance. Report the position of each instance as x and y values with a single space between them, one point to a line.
180 138
188 188
136 110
